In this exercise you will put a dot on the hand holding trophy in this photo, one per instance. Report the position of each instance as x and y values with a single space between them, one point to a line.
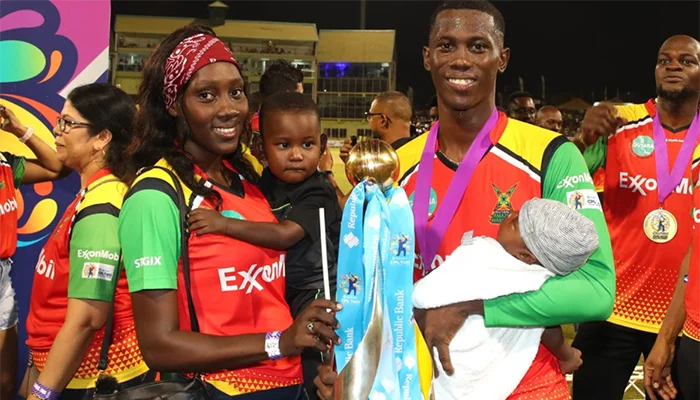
377 357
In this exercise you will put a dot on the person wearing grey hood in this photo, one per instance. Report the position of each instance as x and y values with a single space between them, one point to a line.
545 238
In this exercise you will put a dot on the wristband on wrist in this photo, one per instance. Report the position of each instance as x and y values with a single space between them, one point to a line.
27 135
272 345
44 393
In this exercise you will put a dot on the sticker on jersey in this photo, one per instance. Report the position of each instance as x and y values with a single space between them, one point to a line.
350 284
582 199
232 214
98 271
400 244
660 226
432 202
503 205
643 146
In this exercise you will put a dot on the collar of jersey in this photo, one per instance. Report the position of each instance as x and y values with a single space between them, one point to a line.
97 176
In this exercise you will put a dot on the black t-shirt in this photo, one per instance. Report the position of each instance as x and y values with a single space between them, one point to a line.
300 203
400 142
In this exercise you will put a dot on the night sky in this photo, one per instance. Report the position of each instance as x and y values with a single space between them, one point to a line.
579 46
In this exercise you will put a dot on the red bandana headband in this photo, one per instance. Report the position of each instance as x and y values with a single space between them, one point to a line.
191 55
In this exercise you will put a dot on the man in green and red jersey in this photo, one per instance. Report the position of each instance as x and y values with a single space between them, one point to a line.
16 170
649 152
520 162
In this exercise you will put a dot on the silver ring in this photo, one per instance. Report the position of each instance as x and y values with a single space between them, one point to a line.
311 327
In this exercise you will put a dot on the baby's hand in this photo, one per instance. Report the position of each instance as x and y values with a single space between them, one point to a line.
572 362
206 220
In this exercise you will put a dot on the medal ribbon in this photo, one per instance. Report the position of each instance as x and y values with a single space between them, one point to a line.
669 181
429 238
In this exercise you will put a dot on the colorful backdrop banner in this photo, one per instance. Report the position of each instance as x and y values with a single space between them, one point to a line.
48 48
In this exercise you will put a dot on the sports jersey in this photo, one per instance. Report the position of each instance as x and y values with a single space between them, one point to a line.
80 261
238 288
599 180
692 290
646 271
523 162
11 172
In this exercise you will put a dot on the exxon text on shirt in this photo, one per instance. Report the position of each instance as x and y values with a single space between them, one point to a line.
93 254
643 185
573 181
45 267
228 277
9 206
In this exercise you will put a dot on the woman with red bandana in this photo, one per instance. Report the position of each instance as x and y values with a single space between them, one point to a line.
226 320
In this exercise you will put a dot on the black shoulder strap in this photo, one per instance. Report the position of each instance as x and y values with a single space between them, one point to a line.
184 256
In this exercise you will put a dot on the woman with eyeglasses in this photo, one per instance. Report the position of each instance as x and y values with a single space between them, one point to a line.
78 278
16 170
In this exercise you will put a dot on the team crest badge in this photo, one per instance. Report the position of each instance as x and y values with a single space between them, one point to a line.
643 146
232 214
432 201
503 205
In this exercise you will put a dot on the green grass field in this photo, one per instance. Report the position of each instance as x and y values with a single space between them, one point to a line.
339 171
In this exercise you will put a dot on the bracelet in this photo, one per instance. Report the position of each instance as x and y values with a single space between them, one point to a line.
272 345
30 133
44 393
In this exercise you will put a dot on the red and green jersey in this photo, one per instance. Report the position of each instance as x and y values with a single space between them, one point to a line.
11 172
523 162
646 271
80 261
692 290
238 288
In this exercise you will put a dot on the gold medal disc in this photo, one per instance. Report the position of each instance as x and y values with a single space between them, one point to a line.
660 226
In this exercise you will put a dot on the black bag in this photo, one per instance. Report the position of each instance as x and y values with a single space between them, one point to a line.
194 389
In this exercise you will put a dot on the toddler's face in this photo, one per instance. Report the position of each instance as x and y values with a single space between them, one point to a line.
292 145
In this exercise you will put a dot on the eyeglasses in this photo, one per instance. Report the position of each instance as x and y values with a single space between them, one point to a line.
65 125
369 116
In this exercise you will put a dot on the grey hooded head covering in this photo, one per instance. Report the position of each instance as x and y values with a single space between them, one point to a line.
560 237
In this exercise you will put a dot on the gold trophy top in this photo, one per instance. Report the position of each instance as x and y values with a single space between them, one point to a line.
375 160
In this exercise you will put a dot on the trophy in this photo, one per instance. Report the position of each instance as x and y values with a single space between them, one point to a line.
374 161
